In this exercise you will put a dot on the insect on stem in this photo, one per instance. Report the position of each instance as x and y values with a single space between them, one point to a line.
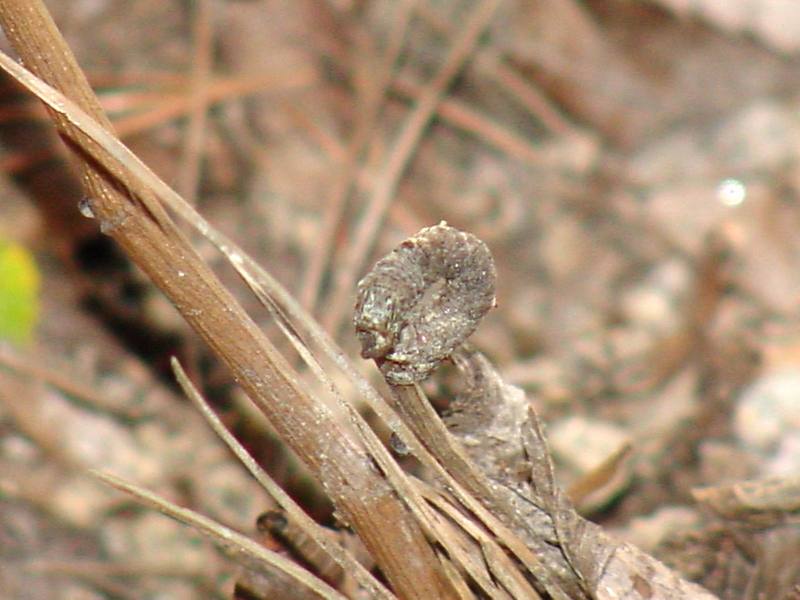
422 300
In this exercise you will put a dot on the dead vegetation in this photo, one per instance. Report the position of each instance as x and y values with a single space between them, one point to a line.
633 168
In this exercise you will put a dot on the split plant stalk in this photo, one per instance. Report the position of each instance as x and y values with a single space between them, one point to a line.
139 224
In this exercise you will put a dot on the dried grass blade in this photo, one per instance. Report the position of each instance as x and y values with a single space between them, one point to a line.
416 577
239 547
142 182
297 515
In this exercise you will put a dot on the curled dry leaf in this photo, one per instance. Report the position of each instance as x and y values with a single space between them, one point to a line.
420 302
417 307
505 438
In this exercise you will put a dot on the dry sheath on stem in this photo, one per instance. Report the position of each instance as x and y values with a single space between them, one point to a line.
305 523
144 229
113 155
440 283
413 310
135 219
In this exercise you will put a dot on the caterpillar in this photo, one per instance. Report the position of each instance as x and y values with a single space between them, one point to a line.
422 300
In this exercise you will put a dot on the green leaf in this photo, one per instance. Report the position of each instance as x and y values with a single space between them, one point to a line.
19 293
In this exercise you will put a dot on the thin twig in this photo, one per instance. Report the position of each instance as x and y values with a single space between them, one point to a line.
419 415
472 121
142 227
24 365
492 63
343 558
171 106
348 170
189 173
525 93
239 547
399 159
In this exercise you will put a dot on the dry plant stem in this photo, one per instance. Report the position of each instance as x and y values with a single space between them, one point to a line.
501 566
451 572
115 157
472 121
321 536
418 414
526 93
367 116
236 545
398 161
27 366
172 105
150 238
292 537
189 175
491 63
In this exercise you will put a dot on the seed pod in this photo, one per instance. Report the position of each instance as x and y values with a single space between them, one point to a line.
422 300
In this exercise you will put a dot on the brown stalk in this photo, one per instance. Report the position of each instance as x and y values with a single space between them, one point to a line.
400 157
373 97
459 114
141 226
189 174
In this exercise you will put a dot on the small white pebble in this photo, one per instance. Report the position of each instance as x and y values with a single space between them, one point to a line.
731 192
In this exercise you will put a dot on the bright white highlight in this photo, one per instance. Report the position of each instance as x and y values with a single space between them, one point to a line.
731 192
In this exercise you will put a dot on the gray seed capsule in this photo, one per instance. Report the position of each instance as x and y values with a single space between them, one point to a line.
422 300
